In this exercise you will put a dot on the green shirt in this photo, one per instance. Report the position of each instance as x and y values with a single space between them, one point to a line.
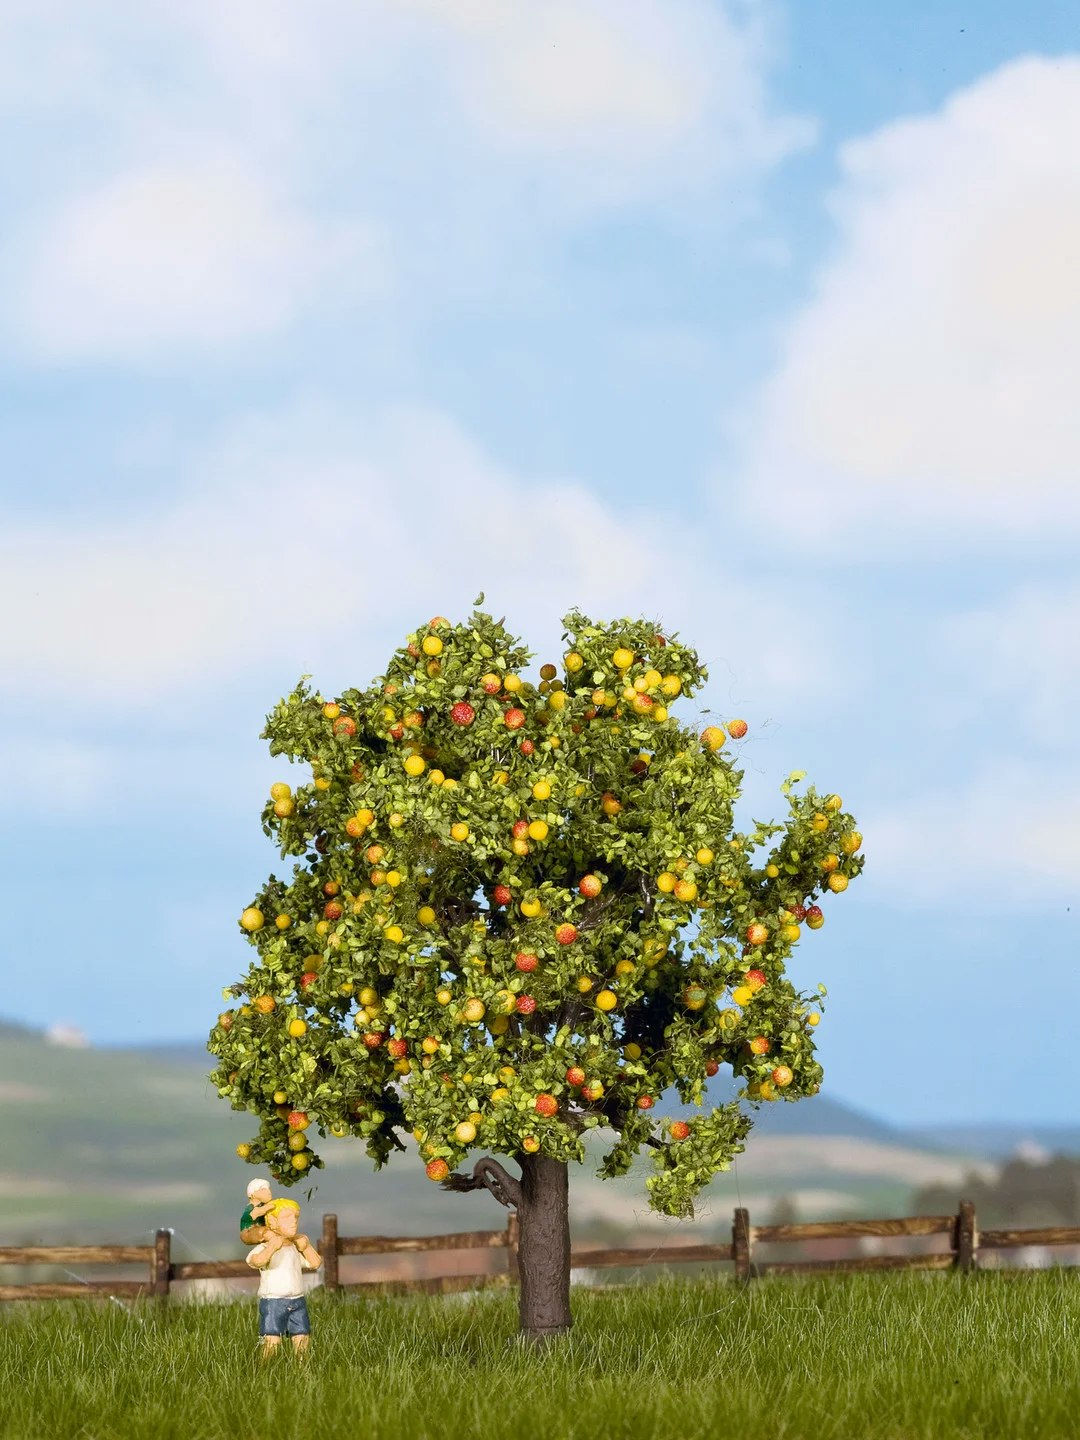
246 1220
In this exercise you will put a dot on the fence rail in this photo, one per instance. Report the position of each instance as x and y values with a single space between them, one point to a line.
966 1242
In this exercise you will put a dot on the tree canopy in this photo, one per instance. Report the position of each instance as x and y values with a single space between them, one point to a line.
520 910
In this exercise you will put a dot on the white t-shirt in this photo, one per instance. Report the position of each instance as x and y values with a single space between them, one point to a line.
280 1280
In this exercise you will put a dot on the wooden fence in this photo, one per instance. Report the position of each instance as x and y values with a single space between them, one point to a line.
965 1244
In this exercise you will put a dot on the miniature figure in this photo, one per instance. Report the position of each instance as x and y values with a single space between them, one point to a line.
260 1200
282 1307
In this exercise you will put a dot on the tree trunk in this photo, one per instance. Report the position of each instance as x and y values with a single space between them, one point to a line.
544 1247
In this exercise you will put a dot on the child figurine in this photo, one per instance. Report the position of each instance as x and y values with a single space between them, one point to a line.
282 1307
259 1202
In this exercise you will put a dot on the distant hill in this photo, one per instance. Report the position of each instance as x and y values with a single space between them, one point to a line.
997 1141
819 1115
115 1142
12 1030
190 1055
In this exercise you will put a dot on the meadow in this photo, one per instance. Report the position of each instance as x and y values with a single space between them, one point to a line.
895 1357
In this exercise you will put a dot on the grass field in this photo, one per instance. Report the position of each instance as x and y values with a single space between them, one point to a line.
911 1356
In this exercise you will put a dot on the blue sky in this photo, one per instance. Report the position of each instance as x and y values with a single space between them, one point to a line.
759 318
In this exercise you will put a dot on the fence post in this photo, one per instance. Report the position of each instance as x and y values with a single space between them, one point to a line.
965 1236
513 1230
740 1246
328 1249
161 1264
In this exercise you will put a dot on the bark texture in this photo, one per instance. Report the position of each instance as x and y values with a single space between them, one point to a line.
544 1248
541 1199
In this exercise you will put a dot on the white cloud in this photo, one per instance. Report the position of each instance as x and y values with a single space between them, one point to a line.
624 95
1007 840
302 542
987 816
929 384
1013 668
181 257
481 126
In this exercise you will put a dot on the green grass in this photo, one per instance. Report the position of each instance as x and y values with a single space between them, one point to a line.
891 1356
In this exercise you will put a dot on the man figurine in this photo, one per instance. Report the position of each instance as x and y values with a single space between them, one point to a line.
282 1307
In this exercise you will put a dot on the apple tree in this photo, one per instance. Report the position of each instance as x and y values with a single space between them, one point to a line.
518 911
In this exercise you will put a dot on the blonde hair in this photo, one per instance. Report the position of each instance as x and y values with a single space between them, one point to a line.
283 1204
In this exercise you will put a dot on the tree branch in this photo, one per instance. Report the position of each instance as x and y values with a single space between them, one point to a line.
647 894
488 1175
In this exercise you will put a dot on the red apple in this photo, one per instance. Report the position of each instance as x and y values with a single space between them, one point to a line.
372 1039
566 934
575 1076
546 1105
525 1004
679 1129
525 963
814 917
462 713
308 979
756 977
527 746
798 913
737 729
514 718
590 886
345 725
501 895
298 1120
519 829
437 1169
397 1048
711 1067
333 910
757 933
645 1102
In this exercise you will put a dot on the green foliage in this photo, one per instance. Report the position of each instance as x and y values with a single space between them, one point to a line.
574 822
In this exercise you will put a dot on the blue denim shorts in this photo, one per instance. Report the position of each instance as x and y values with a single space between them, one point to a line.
284 1317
